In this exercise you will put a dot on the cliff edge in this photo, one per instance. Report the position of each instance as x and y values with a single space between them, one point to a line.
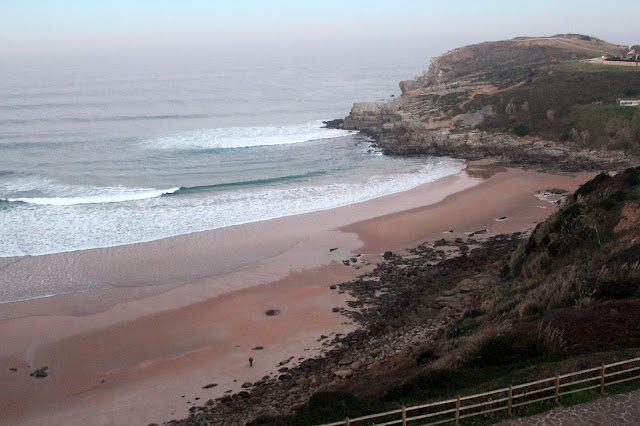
528 101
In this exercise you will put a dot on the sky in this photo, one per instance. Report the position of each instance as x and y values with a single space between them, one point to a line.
39 26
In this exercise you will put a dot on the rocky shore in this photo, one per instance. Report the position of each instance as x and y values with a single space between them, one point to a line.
397 132
446 110
416 296
423 291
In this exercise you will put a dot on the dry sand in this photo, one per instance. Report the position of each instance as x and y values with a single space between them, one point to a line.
171 316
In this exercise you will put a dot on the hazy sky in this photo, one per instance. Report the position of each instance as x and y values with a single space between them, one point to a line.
68 25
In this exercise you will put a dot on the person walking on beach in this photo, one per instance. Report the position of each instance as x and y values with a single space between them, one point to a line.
250 362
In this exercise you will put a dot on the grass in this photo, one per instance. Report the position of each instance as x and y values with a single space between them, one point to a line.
560 98
606 124
563 264
437 385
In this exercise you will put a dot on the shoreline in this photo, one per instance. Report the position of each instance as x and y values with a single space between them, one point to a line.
146 343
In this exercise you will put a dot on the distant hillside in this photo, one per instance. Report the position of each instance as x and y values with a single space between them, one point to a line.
530 101
500 61
564 299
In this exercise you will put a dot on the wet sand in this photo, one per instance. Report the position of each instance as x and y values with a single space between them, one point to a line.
171 316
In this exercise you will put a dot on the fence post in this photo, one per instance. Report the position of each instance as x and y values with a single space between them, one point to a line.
602 376
510 400
346 421
557 387
458 411
404 416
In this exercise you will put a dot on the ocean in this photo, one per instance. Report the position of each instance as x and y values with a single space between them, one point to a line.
99 152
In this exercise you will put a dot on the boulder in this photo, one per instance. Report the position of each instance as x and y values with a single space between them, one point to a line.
347 372
40 372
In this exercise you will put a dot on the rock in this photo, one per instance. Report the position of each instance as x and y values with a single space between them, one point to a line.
333 249
353 260
283 369
333 287
473 119
387 255
347 372
247 385
243 394
13 369
257 348
346 263
272 312
355 365
335 310
210 385
333 124
40 372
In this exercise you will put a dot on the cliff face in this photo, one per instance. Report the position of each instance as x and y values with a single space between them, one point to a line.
464 106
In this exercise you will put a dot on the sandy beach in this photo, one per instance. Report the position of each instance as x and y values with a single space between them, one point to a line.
169 317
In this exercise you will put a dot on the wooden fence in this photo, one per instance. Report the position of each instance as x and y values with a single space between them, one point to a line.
505 399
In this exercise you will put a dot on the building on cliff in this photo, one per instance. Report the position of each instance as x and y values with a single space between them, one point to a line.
630 59
632 102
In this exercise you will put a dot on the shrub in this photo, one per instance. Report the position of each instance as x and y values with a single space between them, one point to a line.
510 348
331 406
610 202
461 327
426 353
521 130
334 399
474 313
590 186
618 289
632 177
430 383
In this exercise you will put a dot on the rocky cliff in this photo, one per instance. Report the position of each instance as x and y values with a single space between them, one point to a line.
490 100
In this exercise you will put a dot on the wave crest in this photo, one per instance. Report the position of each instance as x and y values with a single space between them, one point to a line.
246 137
127 194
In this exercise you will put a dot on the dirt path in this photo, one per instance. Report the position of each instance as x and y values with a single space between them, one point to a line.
621 409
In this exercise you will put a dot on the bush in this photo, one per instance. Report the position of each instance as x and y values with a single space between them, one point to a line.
618 289
474 313
610 202
461 327
426 353
431 383
510 348
590 186
632 176
326 407
521 130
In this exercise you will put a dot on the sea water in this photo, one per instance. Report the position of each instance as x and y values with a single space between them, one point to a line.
100 152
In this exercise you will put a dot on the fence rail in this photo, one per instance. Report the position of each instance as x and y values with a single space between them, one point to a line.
505 399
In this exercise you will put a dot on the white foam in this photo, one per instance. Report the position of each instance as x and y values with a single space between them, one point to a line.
52 228
244 137
57 194
111 195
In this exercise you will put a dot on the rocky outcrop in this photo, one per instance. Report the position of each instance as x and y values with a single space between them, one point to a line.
369 115
399 306
432 116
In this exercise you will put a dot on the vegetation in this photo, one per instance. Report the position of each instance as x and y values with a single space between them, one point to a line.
509 348
573 102
433 384
558 310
